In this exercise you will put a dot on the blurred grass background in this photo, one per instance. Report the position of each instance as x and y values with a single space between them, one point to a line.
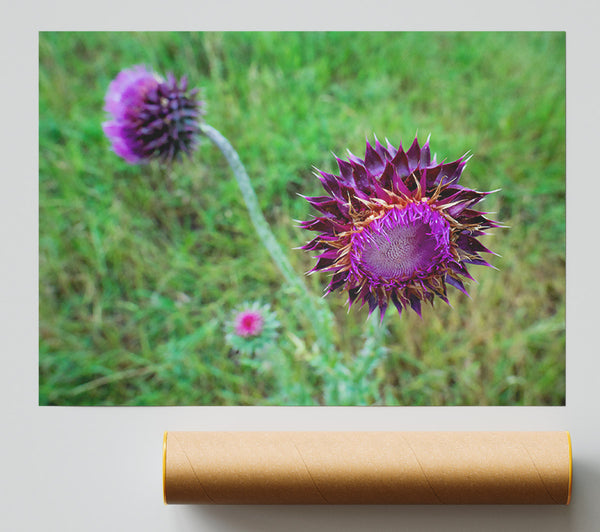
138 270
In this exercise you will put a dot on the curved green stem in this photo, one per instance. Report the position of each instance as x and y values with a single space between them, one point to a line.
260 224
317 313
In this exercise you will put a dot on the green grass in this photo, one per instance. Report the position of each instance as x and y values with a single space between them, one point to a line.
139 269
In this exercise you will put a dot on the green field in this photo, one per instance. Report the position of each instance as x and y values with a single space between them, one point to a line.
141 266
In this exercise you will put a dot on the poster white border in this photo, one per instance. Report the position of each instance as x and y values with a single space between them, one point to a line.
99 468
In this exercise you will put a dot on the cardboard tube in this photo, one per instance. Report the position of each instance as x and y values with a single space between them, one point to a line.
367 467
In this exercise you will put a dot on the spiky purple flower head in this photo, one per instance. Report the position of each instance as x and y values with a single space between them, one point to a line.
397 226
151 118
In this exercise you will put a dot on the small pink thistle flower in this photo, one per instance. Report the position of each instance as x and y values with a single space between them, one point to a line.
248 323
252 328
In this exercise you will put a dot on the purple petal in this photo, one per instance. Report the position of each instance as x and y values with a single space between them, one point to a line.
381 151
400 161
346 171
414 155
373 162
472 245
415 304
457 283
397 303
425 155
337 281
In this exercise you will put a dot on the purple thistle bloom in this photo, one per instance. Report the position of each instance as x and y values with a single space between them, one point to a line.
397 226
151 118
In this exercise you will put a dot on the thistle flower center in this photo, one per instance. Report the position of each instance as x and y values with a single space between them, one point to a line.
402 244
248 323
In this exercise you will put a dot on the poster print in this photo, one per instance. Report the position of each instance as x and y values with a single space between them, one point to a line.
190 181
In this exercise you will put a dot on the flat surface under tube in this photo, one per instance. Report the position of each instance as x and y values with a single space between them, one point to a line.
367 467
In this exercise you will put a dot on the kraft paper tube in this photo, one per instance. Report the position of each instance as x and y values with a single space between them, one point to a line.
367 467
